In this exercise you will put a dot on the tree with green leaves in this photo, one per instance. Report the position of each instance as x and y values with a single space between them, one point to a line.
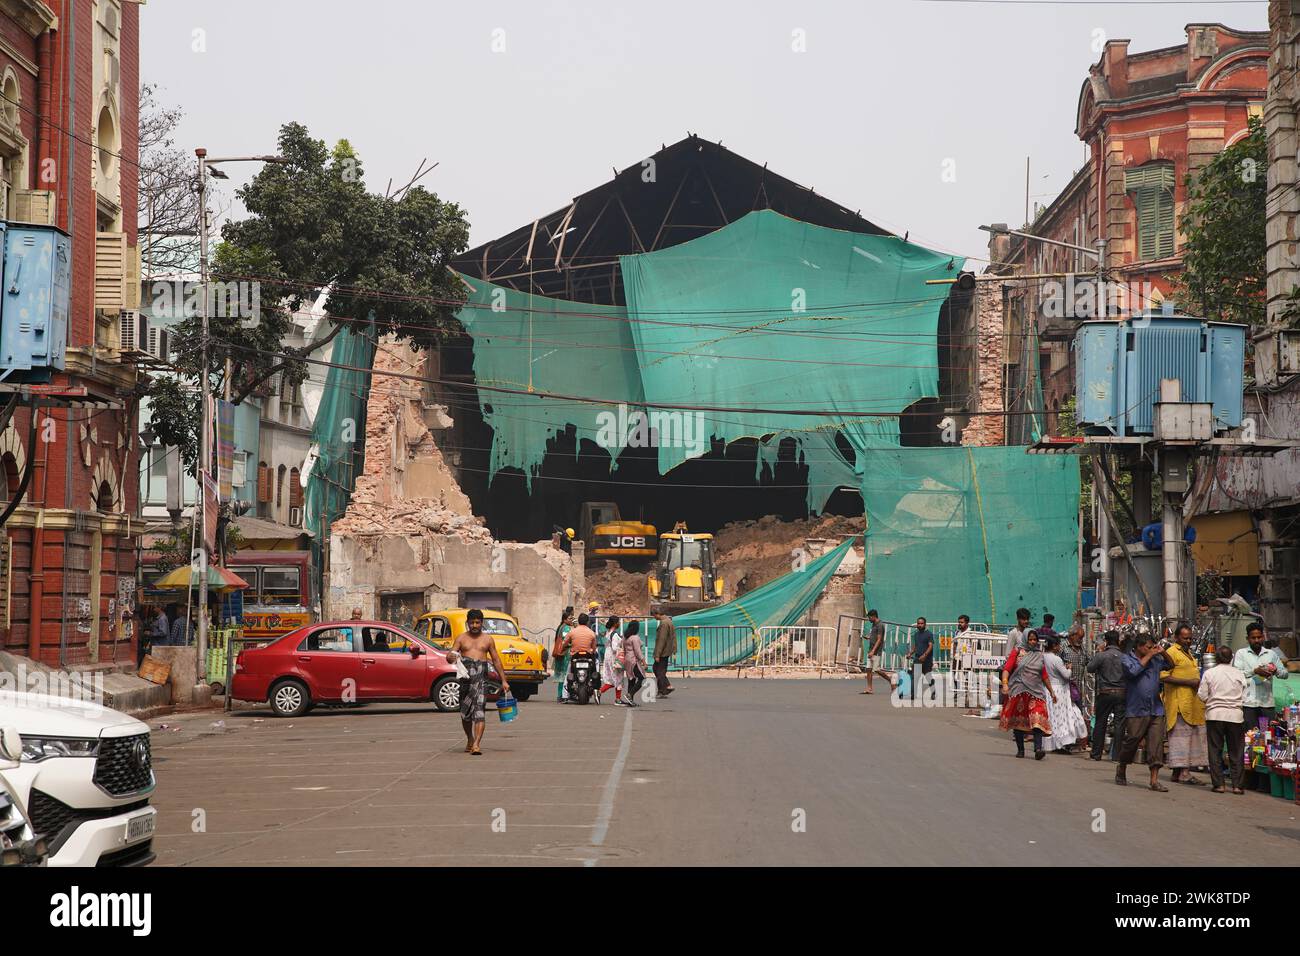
1224 253
312 228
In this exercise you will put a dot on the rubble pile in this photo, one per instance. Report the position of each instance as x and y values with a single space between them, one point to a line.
397 439
618 591
410 517
748 554
751 553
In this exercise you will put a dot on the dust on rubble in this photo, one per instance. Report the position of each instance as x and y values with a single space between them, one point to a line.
752 553
749 554
398 440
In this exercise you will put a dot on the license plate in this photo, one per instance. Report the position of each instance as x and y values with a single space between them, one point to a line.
141 827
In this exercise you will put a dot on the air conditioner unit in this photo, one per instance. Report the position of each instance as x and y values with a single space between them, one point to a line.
132 332
158 344
295 517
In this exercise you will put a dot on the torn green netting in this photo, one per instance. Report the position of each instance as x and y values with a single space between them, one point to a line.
538 344
767 312
338 437
732 632
770 312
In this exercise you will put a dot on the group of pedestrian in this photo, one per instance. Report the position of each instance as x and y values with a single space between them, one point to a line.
620 651
1153 694
174 625
1041 692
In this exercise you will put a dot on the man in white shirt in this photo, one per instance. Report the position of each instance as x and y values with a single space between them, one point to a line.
1223 687
1261 665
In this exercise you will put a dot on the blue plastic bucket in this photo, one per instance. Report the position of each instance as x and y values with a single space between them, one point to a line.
507 709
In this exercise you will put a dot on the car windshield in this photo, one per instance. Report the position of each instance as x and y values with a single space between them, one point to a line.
500 627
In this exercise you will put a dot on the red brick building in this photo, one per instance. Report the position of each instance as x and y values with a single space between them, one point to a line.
69 74
1148 121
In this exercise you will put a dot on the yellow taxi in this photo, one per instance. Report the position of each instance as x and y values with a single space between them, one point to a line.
524 659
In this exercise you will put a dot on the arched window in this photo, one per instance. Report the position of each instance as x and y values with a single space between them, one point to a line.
104 498
279 487
10 479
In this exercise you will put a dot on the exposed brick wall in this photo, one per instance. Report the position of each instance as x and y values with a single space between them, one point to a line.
989 357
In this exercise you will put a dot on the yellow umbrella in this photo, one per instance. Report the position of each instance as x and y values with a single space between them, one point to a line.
220 580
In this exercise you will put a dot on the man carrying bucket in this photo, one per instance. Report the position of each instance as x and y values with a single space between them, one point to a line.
475 650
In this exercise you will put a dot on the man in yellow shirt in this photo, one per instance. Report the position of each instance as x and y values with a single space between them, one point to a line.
1184 710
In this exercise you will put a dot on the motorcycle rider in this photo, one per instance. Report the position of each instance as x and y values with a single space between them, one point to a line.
580 641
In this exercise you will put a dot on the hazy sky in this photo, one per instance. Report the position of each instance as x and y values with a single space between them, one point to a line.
883 93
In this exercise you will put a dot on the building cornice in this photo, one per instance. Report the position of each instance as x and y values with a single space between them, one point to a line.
9 50
32 15
92 364
65 519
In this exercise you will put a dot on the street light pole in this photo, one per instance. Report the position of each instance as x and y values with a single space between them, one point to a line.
205 451
205 419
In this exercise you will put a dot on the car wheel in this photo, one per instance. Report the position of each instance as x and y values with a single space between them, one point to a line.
523 693
584 693
290 698
446 693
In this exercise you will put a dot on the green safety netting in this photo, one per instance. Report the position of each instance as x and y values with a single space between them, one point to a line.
772 313
539 344
338 437
776 313
732 632
977 531
765 312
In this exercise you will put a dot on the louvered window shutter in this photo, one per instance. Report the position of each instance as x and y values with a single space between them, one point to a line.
295 489
1164 223
1152 189
263 483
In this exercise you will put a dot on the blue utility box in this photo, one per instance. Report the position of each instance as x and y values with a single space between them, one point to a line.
34 288
1119 366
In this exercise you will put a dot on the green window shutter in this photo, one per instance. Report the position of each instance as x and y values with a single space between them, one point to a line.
1164 223
1152 189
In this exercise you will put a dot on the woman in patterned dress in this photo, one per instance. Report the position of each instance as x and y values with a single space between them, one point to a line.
1068 725
1027 689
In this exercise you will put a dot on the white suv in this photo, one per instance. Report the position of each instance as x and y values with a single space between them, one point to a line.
20 845
85 777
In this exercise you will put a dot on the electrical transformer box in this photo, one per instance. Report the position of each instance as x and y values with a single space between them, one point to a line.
34 288
1119 366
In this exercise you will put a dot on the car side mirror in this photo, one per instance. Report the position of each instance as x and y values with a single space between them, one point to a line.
416 650
11 744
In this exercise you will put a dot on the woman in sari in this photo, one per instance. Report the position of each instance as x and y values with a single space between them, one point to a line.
1027 689
611 668
1068 725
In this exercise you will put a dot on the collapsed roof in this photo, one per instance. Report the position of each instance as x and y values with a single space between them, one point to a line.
680 193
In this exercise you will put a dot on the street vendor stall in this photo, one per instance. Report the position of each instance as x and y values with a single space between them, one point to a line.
227 587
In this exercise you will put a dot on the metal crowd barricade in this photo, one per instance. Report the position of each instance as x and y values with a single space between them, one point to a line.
711 646
796 646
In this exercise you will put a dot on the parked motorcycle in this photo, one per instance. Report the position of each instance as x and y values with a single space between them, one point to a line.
584 678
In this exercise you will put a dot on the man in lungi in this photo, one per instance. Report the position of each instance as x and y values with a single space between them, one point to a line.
475 650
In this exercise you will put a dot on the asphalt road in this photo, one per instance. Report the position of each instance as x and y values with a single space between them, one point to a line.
726 771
